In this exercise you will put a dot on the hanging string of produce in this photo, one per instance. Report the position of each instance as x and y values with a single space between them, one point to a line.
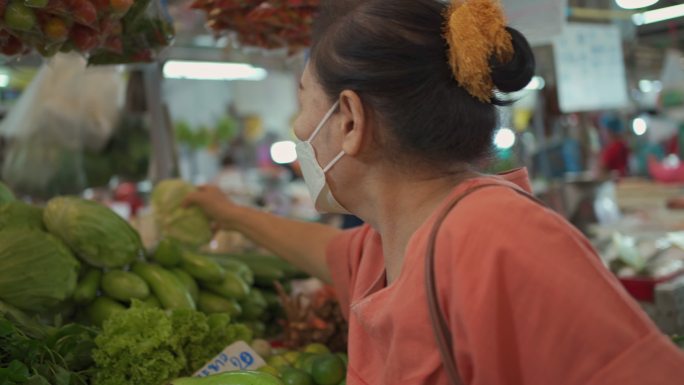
105 31
268 24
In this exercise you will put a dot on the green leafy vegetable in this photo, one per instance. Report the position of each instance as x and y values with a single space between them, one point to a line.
96 234
38 271
146 345
55 356
188 226
18 214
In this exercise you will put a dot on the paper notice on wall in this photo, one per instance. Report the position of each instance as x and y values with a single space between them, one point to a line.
539 20
590 68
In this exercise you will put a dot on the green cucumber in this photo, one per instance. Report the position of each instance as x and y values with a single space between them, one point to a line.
265 269
124 286
152 301
232 287
210 303
86 290
265 275
169 253
271 298
287 268
258 328
165 286
218 321
204 269
231 378
187 281
254 306
237 266
102 309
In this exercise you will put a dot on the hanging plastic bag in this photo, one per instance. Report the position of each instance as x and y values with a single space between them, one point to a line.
67 108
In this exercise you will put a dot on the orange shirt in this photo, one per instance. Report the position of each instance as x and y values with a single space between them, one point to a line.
526 297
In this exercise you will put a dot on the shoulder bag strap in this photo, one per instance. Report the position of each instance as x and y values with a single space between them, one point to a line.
440 327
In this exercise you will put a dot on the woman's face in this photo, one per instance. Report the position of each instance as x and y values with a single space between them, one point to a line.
314 104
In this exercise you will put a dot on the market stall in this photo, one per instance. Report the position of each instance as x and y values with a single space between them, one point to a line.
114 111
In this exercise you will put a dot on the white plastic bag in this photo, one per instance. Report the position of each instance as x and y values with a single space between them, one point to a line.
67 108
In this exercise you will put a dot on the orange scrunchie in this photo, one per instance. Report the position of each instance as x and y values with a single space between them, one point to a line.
476 32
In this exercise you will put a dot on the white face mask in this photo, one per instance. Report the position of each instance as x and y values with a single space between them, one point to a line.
314 174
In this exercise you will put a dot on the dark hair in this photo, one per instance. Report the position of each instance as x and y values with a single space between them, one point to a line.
394 55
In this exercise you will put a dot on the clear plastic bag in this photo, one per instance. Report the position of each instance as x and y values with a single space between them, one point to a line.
66 109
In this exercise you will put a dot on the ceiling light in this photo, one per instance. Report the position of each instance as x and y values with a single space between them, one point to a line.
635 4
283 152
4 80
504 139
639 126
658 15
196 70
650 86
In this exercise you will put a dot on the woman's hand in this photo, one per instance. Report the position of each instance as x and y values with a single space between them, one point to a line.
214 203
303 244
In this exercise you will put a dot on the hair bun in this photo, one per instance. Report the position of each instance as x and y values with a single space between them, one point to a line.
517 73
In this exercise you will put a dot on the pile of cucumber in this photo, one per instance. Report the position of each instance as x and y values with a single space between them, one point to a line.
175 278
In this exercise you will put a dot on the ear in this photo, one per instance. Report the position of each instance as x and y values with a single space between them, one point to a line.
353 122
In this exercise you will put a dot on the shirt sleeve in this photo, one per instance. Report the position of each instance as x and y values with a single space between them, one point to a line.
529 302
344 255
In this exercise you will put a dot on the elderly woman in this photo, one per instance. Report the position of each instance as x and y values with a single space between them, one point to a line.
457 277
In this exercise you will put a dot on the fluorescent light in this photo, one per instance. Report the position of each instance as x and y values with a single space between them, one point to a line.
4 80
650 86
283 152
176 69
635 4
537 83
639 126
657 15
504 138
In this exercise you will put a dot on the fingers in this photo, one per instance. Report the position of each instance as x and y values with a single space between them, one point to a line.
202 194
190 200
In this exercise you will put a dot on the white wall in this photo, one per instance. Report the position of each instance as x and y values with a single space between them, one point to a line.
274 99
201 102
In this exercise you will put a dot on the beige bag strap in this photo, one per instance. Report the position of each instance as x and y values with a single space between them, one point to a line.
440 326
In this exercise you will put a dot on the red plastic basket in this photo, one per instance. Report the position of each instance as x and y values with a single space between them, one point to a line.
643 288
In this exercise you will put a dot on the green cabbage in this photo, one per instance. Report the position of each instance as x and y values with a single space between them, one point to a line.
188 226
5 194
37 271
20 215
94 232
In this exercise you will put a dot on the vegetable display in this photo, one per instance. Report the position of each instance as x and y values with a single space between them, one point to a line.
124 315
